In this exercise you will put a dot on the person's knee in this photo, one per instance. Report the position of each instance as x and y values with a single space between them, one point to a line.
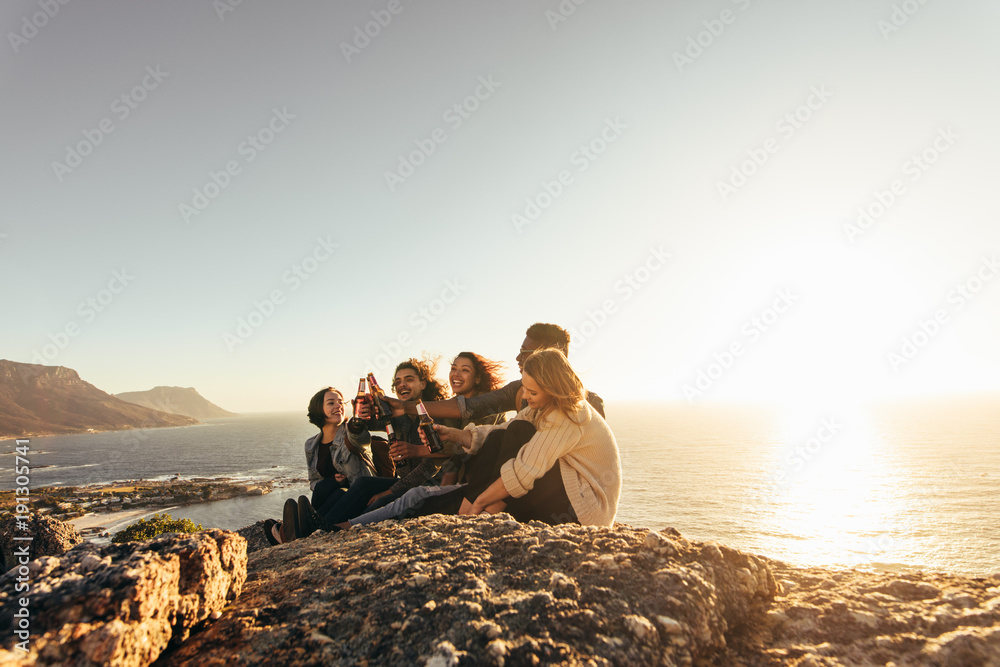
520 429
494 438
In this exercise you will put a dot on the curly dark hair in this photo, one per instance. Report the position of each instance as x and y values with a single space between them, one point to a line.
549 336
315 410
489 373
426 369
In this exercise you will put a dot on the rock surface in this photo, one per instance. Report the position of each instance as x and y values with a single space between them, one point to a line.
847 617
445 590
49 537
254 535
122 604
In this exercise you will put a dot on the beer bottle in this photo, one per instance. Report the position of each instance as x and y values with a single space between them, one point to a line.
356 422
427 428
390 433
380 409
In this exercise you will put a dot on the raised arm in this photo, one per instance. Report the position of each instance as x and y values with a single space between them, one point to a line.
437 409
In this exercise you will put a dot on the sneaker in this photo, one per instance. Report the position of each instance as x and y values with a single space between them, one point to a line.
305 511
269 533
289 521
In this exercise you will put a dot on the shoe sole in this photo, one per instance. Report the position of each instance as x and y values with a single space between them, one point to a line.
306 526
290 521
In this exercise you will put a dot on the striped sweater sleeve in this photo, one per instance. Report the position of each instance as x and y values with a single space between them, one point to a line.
539 454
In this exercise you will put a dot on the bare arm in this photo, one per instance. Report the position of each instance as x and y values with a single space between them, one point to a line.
437 409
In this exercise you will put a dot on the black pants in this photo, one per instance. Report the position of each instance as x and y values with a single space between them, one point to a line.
326 494
355 501
546 501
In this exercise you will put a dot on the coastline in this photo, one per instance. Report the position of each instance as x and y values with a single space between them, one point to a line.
98 511
96 524
5 437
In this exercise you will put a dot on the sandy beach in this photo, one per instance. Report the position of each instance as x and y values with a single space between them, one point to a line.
109 520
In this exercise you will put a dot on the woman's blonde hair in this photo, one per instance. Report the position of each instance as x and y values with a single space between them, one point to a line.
551 370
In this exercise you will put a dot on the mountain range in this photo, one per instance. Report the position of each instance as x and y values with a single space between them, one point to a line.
51 400
177 400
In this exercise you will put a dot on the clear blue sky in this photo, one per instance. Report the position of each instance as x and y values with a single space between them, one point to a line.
682 190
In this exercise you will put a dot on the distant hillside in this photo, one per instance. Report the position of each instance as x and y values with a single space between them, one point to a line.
50 400
177 400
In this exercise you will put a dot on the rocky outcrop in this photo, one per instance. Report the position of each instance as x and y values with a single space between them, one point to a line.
46 400
861 618
176 400
254 535
49 537
121 604
446 590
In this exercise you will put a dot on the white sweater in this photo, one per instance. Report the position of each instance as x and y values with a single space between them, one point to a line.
586 452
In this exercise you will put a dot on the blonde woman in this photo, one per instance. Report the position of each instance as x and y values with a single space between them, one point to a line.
556 462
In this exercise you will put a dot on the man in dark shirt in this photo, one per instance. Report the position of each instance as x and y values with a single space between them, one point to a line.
538 336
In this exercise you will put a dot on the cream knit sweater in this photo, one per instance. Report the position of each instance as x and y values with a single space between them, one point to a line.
587 455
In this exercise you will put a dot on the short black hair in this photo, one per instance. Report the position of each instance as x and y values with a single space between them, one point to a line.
315 410
549 336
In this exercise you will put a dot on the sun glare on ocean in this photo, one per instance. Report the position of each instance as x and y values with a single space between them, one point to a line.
830 491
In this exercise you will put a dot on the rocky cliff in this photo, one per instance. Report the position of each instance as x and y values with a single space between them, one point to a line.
176 400
48 400
446 590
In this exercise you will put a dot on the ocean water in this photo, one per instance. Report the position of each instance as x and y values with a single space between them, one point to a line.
901 487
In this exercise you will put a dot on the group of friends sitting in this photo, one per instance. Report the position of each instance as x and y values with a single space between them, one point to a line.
555 461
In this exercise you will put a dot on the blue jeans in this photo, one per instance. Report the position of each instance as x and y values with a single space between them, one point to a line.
408 500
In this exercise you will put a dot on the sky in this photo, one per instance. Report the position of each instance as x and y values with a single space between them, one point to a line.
726 200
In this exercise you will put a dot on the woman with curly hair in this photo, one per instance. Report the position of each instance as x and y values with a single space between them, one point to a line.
414 379
556 462
383 498
470 375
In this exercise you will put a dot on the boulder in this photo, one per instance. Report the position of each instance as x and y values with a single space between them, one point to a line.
853 617
120 604
49 537
444 590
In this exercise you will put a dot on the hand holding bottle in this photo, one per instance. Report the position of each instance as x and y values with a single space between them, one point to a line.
457 436
363 409
400 449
